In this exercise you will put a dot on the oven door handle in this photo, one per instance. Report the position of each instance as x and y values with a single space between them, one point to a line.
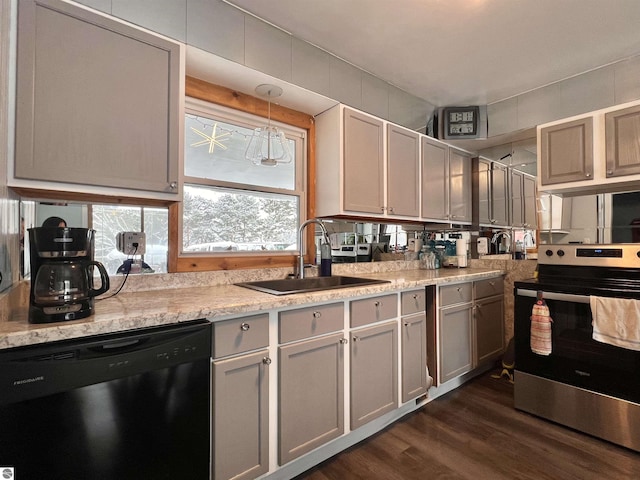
562 297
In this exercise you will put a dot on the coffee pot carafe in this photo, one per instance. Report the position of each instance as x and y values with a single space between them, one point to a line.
62 269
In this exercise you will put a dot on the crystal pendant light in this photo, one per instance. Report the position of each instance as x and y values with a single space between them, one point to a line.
268 146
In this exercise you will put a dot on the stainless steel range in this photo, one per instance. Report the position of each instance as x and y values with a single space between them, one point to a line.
582 383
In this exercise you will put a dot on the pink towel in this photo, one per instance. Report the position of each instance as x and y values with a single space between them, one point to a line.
541 327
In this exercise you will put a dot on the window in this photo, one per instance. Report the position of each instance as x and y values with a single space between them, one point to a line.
232 206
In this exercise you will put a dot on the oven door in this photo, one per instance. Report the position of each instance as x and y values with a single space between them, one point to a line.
576 358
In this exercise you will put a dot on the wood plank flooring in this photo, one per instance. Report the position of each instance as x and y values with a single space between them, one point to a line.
475 433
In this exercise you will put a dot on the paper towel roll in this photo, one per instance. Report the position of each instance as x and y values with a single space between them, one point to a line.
461 246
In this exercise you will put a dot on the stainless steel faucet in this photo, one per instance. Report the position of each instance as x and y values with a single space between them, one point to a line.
499 234
300 273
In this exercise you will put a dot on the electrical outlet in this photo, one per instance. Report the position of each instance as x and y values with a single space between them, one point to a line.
131 243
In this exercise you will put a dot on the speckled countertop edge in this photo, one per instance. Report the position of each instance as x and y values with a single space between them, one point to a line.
140 309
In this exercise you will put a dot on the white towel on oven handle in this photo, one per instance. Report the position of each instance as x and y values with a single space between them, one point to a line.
616 321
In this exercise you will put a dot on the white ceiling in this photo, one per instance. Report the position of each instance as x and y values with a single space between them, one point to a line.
455 52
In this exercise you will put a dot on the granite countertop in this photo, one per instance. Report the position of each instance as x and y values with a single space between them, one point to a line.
132 310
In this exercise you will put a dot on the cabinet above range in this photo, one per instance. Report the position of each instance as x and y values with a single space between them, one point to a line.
597 152
369 168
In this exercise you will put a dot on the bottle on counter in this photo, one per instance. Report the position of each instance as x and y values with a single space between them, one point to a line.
325 260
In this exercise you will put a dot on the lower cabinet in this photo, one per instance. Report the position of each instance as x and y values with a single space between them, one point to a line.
414 356
456 342
374 372
310 395
488 319
241 416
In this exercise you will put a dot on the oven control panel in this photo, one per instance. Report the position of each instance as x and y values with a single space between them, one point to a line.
616 255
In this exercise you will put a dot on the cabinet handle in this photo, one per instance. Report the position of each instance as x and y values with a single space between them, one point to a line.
244 326
317 314
173 185
356 338
344 341
266 361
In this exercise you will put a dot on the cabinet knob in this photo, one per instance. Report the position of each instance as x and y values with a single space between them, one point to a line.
390 209
459 289
415 296
609 172
344 341
356 338
377 304
173 185
587 174
493 284
382 209
244 326
406 324
317 314
493 221
266 361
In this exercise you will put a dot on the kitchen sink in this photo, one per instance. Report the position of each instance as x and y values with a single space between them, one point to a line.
288 286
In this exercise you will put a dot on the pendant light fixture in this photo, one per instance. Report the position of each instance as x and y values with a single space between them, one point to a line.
268 146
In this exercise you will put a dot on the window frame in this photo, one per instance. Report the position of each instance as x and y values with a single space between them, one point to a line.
236 101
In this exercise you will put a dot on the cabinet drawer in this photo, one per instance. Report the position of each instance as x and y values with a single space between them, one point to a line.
413 302
489 287
311 321
240 335
371 310
452 294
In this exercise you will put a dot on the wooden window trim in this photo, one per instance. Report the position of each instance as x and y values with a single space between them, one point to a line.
226 97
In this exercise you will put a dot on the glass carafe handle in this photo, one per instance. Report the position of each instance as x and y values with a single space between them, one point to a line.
104 279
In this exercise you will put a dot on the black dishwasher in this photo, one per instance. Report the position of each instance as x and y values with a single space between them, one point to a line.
132 405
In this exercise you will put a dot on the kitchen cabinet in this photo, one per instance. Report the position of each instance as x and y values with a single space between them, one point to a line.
530 202
455 331
310 413
593 153
98 103
366 167
413 344
460 180
471 326
363 163
374 372
566 153
622 132
403 172
499 195
446 182
516 198
484 191
435 180
488 320
240 410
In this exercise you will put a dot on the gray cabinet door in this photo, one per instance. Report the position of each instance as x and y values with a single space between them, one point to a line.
460 181
484 191
489 328
456 357
363 163
517 213
374 372
414 356
622 129
403 181
240 417
567 152
97 100
499 196
530 202
311 395
435 180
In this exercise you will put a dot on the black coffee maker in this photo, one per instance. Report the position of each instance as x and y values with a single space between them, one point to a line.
62 274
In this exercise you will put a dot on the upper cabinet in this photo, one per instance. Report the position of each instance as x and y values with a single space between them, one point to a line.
366 167
499 197
597 152
98 103
446 182
622 137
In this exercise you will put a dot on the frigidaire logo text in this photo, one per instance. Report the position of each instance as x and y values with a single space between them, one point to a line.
29 380
582 374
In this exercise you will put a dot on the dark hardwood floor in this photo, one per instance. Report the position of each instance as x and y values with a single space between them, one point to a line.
475 433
